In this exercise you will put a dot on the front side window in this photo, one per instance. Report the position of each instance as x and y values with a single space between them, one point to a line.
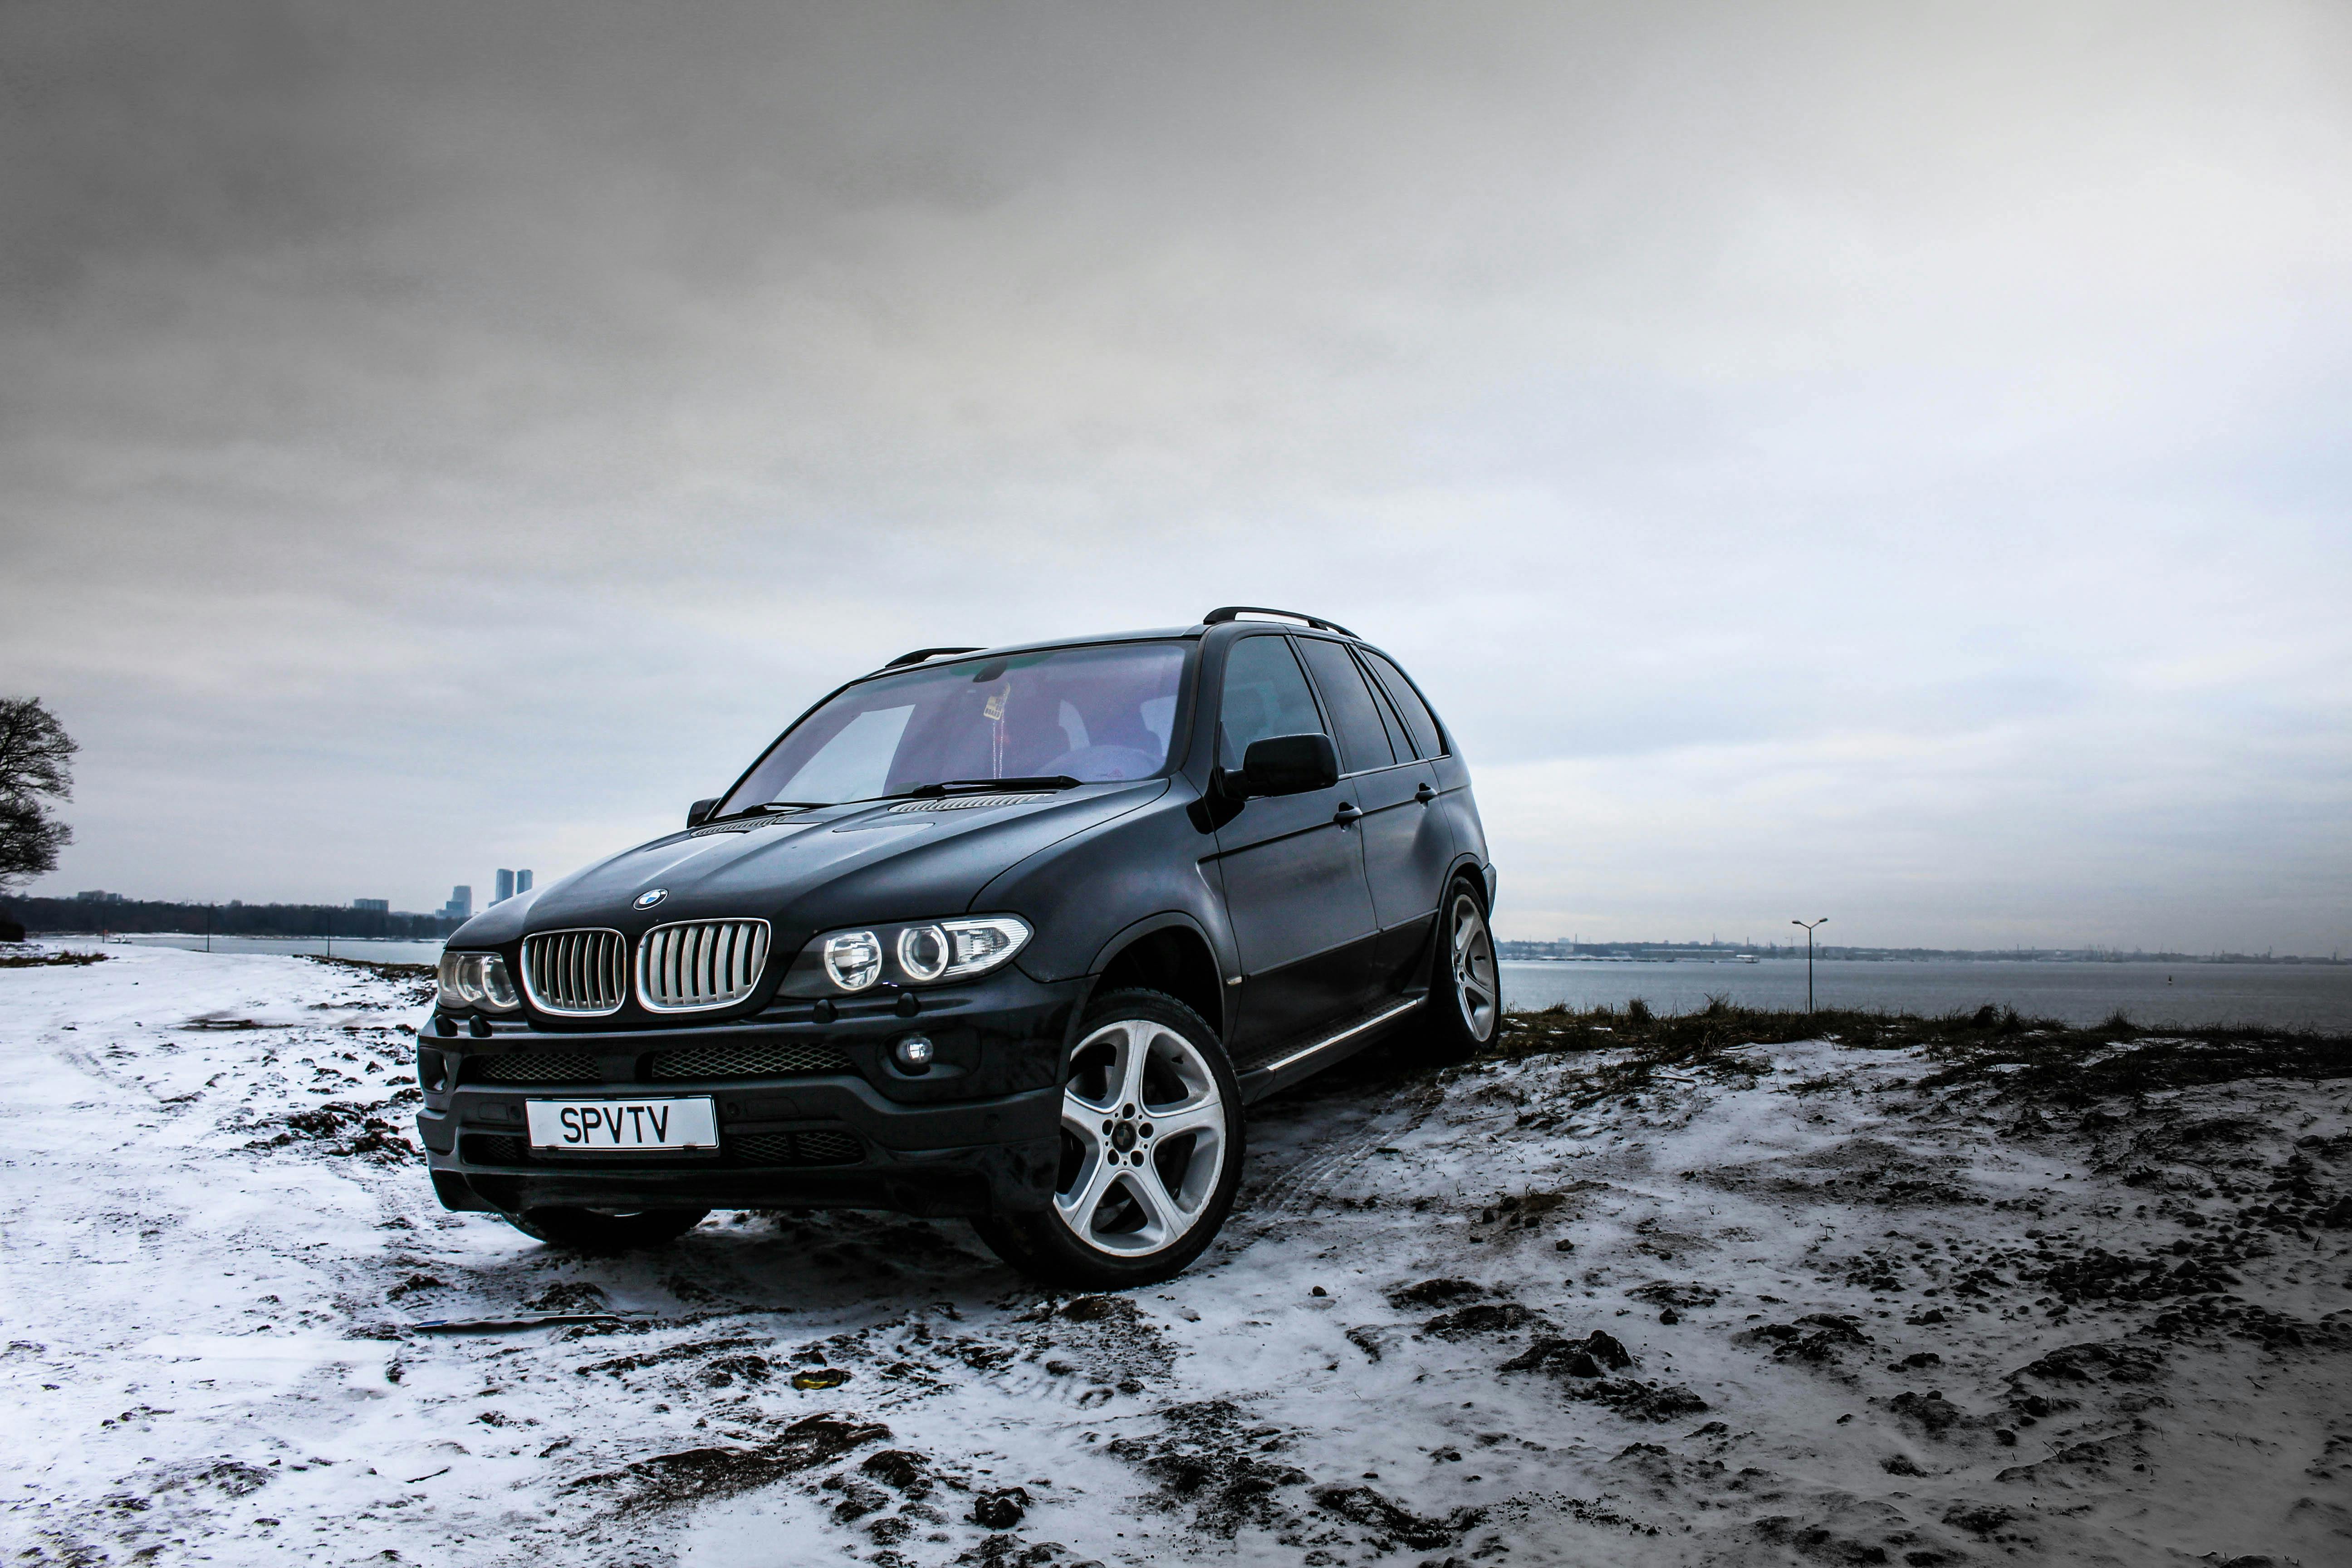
1363 738
1265 695
1094 714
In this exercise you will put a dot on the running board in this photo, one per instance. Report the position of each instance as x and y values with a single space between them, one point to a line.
1259 1082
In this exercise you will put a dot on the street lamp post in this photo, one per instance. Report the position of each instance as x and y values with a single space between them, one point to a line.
1808 956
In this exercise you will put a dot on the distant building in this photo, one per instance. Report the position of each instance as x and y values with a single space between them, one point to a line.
376 906
96 896
460 906
522 881
506 887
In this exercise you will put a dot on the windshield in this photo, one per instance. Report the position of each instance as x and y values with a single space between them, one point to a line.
1093 714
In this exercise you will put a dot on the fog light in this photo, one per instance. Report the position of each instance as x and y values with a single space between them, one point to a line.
913 1053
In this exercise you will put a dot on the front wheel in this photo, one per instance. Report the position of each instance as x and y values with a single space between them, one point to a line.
1465 991
1151 1152
600 1230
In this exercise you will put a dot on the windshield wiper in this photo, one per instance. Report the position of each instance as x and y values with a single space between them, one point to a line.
765 807
965 786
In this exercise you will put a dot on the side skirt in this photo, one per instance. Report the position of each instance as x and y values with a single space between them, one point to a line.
1331 1049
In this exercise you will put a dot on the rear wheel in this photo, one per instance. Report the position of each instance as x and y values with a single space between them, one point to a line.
1151 1152
1465 993
602 1230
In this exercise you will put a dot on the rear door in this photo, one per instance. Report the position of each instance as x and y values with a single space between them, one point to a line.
1455 804
1406 844
1293 871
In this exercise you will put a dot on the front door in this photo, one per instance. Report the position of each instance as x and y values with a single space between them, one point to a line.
1293 867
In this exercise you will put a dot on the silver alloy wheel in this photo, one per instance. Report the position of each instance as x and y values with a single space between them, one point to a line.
1150 1126
1473 956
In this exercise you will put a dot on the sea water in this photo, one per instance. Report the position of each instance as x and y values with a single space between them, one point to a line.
2273 995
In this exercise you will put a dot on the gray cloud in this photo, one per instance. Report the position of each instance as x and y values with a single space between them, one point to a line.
1884 459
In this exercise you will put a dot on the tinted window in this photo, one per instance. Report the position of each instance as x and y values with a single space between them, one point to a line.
1090 713
1415 713
1363 740
1265 695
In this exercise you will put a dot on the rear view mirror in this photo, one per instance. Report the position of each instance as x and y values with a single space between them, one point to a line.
1291 764
699 812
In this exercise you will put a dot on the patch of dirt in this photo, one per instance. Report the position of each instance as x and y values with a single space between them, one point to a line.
1819 1339
694 1475
345 1130
1485 1317
1435 1293
1210 1461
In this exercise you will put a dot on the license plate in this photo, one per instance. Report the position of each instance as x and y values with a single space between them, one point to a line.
586 1125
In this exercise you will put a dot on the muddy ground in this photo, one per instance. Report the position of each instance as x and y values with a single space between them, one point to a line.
1727 1289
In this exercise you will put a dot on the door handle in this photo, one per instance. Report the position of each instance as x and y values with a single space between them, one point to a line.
1425 795
1347 813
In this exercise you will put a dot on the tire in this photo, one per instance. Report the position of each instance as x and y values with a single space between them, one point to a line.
593 1230
1465 991
1151 1152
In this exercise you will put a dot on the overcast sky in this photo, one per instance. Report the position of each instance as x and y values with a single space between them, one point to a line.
1887 462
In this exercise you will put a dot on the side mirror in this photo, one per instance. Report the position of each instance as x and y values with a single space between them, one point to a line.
1291 764
699 812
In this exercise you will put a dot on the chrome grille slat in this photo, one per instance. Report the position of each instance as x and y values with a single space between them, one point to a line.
695 966
576 974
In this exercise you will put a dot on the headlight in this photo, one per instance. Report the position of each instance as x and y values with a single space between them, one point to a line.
853 959
921 952
477 980
982 945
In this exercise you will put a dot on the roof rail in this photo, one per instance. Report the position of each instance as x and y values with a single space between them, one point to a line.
921 654
1224 613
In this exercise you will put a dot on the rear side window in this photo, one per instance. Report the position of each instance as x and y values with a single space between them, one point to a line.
1363 738
1418 720
1265 695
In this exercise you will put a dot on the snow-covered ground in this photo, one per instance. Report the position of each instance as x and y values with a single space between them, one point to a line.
1806 1313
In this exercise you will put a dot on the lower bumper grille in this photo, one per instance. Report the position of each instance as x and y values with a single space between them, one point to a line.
746 1061
533 1067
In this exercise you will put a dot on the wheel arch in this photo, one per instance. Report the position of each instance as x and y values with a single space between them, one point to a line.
1467 868
1168 953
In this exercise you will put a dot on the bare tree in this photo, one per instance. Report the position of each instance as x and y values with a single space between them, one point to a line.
36 758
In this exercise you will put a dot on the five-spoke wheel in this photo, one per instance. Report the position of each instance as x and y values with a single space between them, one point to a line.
1150 1151
1477 990
1143 1131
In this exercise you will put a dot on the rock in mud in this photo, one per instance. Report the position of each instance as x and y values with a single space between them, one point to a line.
999 1510
906 1471
1595 1355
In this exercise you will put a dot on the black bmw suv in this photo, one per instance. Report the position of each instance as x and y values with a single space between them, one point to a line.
1012 933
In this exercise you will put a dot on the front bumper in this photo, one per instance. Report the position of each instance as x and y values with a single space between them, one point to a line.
979 1134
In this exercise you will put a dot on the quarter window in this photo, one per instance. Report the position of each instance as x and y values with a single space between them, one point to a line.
1265 695
1409 705
1363 738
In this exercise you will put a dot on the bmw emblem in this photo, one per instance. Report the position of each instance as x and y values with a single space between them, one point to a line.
651 896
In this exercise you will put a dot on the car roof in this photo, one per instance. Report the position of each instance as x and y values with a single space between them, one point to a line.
1224 620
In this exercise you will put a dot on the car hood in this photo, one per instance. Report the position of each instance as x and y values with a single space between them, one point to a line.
808 871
